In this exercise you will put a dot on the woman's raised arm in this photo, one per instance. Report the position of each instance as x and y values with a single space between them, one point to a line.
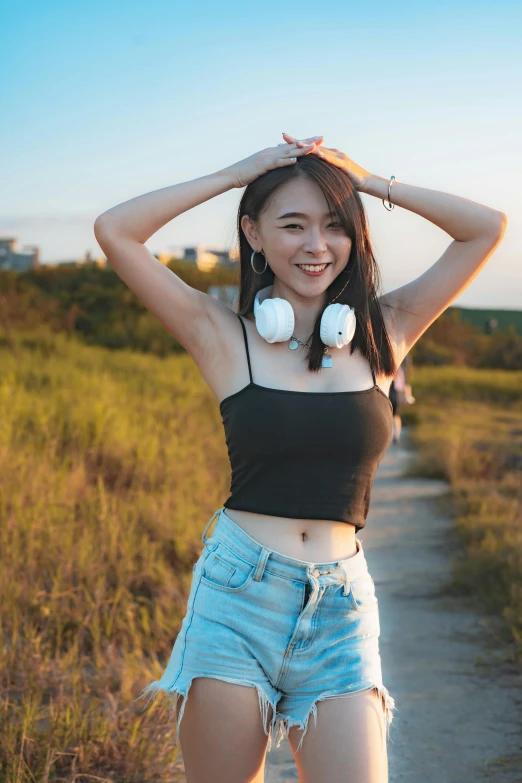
139 218
122 230
195 319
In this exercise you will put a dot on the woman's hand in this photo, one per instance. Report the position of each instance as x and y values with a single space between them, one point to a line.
246 171
357 174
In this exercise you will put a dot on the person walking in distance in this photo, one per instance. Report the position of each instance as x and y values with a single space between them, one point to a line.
281 633
400 395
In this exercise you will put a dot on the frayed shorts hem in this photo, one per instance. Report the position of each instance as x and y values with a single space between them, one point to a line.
281 723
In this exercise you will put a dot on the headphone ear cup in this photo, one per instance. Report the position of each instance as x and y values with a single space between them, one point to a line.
325 330
275 320
338 324
289 321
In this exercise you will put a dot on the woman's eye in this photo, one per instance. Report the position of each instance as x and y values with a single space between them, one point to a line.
294 225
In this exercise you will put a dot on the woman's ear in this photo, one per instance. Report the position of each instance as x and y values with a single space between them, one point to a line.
250 231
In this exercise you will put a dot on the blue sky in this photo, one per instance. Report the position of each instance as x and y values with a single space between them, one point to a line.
106 100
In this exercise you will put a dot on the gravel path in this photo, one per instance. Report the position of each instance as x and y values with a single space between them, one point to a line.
459 710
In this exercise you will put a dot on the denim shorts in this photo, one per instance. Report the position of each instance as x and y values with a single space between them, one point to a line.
297 631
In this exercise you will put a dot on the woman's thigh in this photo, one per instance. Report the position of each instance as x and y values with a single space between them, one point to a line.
347 745
221 735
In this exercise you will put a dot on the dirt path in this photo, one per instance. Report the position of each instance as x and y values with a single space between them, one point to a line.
457 720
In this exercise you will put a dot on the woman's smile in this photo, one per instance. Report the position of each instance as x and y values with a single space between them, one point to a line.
313 269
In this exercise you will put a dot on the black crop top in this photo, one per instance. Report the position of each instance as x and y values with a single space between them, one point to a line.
306 455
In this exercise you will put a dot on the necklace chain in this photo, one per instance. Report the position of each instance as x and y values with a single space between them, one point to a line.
296 342
293 337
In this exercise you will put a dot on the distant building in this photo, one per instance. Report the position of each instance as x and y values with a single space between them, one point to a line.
87 259
11 258
202 256
206 257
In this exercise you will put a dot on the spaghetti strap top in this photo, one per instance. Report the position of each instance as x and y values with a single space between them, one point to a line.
246 347
305 455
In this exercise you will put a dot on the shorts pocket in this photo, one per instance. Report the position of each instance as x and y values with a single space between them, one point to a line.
362 594
224 571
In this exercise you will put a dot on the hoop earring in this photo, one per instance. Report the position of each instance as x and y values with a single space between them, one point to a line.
252 264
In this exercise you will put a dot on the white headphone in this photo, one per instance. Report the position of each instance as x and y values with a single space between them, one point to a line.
275 320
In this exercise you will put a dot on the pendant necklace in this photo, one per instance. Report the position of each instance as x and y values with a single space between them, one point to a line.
295 342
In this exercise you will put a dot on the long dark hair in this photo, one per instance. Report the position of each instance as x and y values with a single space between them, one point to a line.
362 272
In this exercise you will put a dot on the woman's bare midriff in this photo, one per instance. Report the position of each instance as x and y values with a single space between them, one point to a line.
313 540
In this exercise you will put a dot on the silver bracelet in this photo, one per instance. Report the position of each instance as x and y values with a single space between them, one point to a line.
389 189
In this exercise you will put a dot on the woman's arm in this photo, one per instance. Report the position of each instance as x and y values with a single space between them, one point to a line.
189 315
139 218
206 327
477 231
460 218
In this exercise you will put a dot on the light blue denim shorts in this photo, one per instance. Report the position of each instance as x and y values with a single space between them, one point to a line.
299 632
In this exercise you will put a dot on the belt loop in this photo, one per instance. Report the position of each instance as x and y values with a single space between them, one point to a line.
261 563
212 518
346 588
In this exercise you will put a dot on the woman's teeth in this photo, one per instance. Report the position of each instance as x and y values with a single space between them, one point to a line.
312 267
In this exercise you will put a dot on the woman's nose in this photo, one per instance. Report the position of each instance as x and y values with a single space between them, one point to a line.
316 242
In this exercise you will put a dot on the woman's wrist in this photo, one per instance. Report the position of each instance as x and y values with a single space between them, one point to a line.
228 178
376 186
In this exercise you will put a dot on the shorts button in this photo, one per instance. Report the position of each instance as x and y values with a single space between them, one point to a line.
316 572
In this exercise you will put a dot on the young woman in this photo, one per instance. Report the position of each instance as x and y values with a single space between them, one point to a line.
282 619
